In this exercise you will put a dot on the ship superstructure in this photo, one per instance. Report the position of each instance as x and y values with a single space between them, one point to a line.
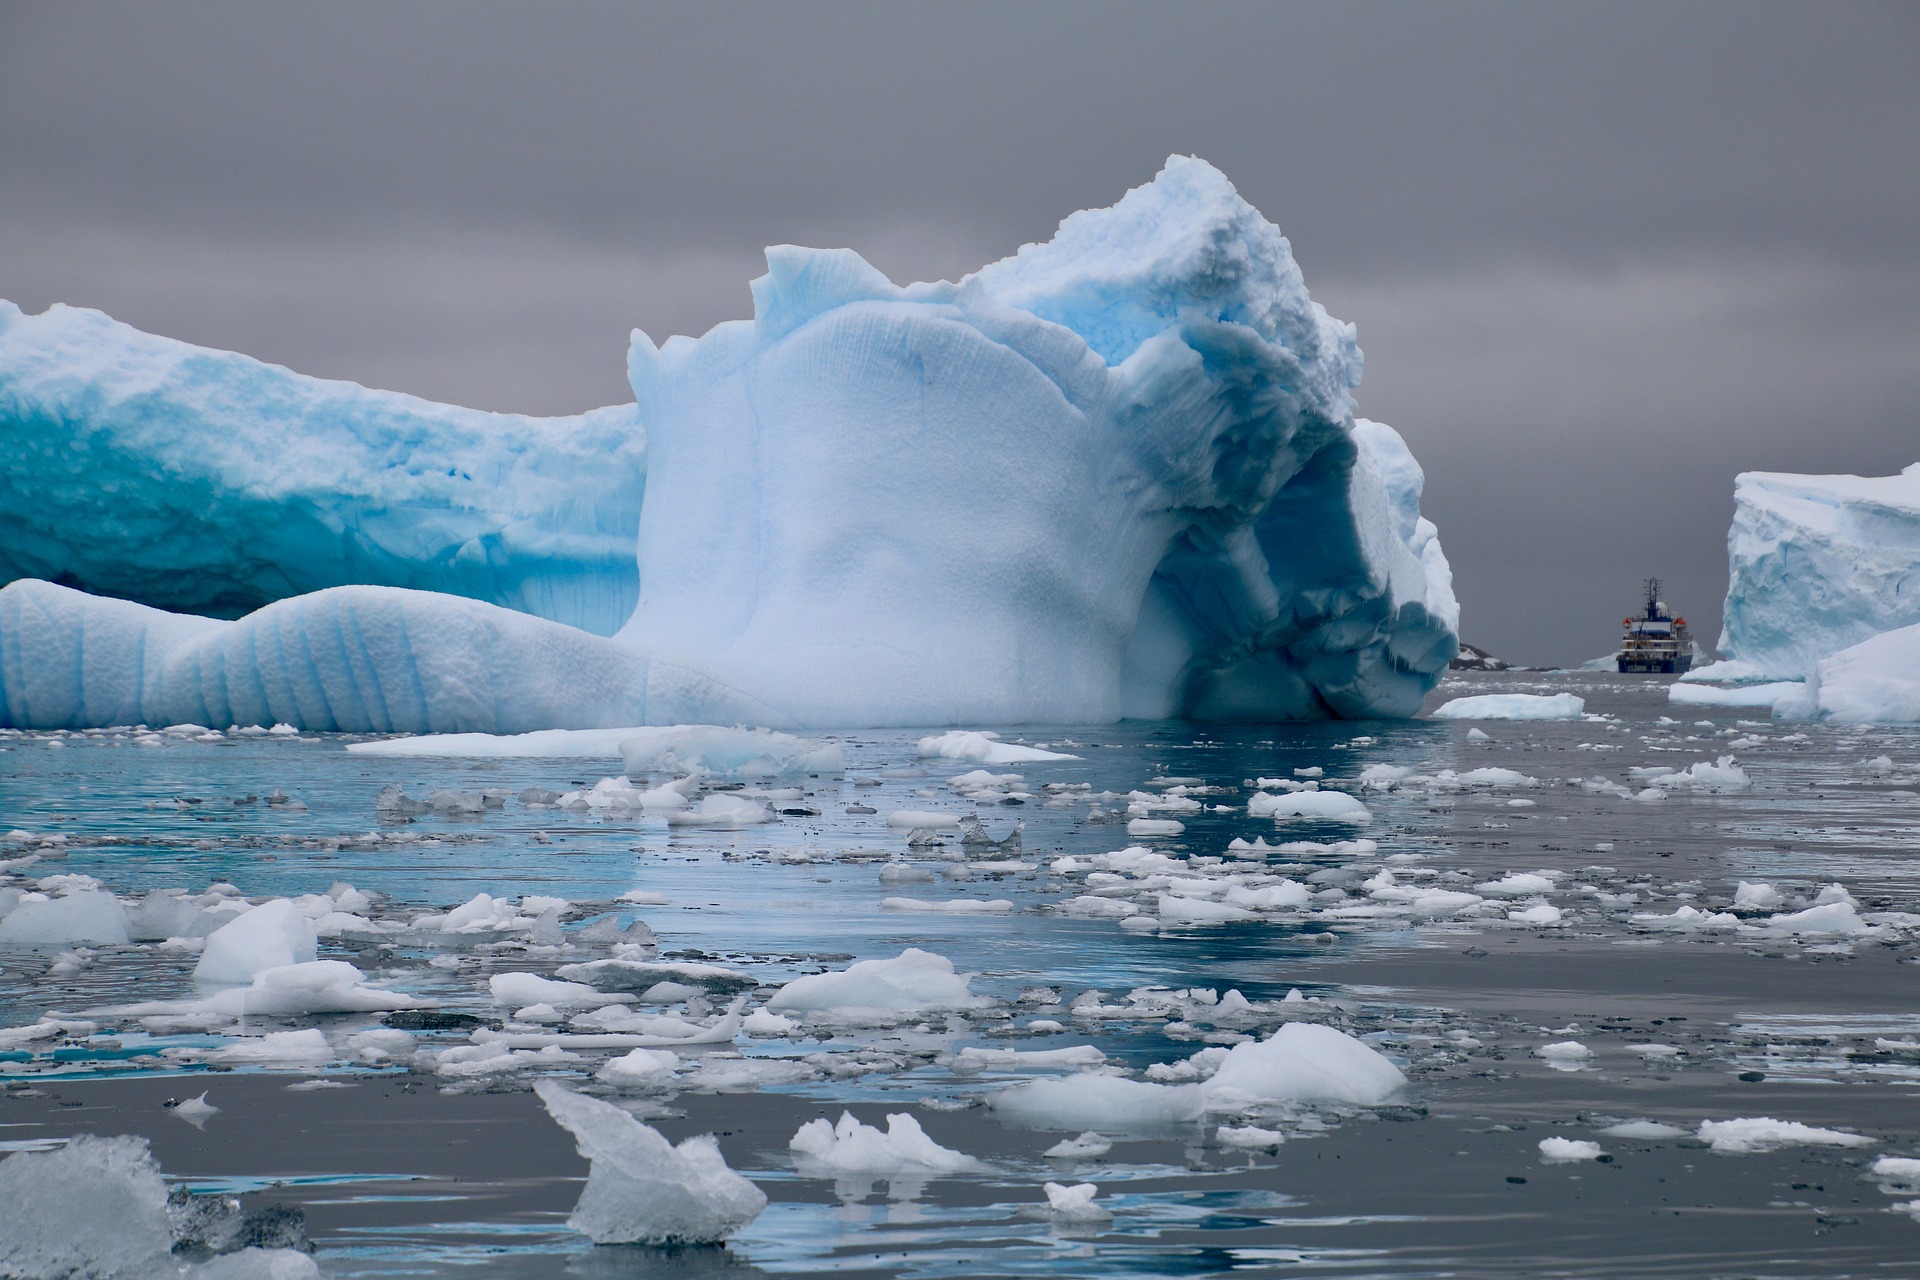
1655 642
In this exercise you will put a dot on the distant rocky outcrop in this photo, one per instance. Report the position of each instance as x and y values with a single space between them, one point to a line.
1477 659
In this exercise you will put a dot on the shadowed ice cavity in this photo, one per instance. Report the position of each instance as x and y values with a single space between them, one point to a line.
1114 474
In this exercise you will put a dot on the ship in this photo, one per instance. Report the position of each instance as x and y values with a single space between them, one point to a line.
1656 642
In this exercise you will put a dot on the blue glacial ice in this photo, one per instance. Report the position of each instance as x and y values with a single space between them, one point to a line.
209 482
1817 564
1823 589
1114 474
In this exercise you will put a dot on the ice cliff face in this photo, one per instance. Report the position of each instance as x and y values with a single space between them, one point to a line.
205 481
1114 474
1824 588
1818 564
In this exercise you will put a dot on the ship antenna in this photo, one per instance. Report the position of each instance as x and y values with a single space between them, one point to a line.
1653 596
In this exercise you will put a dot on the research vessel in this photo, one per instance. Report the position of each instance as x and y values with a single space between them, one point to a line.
1656 641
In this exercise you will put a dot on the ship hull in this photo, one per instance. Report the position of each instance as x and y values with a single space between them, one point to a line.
1657 666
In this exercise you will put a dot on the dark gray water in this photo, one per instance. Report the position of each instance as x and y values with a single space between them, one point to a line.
409 1170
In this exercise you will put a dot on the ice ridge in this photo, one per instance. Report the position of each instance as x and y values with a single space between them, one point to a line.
209 482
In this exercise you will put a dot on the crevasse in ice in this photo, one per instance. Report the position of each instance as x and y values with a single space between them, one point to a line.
1114 474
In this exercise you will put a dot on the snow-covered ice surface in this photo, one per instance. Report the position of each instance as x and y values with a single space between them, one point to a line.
1117 473
1264 1040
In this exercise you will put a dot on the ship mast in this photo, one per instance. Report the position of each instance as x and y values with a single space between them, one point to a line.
1653 598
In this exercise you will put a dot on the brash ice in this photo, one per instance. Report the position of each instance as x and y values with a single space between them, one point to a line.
1116 474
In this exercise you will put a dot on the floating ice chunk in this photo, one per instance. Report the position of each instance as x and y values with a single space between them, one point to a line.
852 1147
91 917
1827 917
304 1048
1513 706
1089 1101
1074 1203
1327 806
1874 682
1479 735
922 820
640 1067
1566 1150
1249 1137
1088 1146
1565 1055
1540 913
1686 918
728 753
1756 897
1186 910
950 906
1724 775
765 1022
914 981
640 1188
196 1111
1149 827
1269 897
983 748
517 990
314 986
1902 1171
973 1058
1762 1133
1304 1062
272 935
1752 695
619 974
1521 884
723 810
1645 1130
96 1207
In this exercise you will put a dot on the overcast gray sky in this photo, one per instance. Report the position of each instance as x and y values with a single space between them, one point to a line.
1602 257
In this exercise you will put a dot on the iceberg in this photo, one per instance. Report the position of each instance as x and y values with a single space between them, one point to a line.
1116 474
1818 564
641 1189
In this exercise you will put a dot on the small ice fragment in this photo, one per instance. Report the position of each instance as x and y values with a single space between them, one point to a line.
1512 706
1088 1146
1565 1055
1075 1203
765 1022
1757 897
1644 1130
1249 1137
640 1067
1902 1171
195 1111
1563 1149
853 1147
914 981
1763 1133
640 1188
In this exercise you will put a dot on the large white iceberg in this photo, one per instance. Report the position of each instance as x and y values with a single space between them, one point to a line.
1817 564
1114 474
